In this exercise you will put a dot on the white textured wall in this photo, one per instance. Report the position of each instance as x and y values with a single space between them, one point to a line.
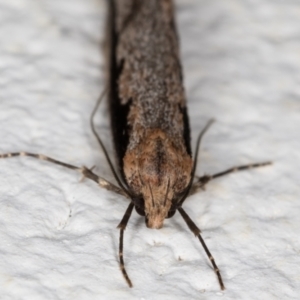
58 237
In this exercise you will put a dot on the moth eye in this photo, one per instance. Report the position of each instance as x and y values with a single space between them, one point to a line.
139 206
171 213
139 210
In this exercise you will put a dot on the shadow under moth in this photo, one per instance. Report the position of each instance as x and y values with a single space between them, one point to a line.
149 120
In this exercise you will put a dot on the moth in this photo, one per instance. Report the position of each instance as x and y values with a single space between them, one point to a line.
149 120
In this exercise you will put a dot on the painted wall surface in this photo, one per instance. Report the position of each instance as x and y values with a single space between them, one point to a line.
58 235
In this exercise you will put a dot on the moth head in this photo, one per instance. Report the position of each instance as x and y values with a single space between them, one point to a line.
157 203
154 203
157 169
156 211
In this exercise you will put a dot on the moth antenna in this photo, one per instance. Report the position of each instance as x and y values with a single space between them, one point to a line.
187 191
102 145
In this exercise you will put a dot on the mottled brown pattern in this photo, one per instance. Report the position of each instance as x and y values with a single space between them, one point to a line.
158 170
157 162
151 72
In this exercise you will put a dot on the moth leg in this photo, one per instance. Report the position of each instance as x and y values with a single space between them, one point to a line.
122 227
203 180
83 170
103 183
193 227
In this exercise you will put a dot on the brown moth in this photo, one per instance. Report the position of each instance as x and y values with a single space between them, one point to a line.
149 120
148 106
